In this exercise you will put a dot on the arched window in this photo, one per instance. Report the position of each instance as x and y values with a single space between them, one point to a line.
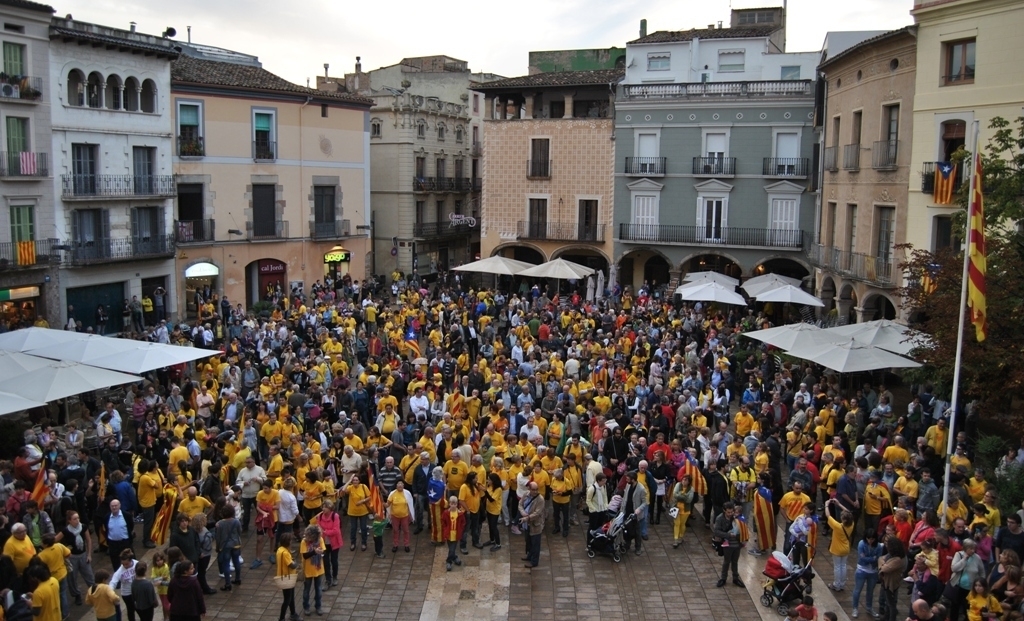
421 129
112 95
459 133
94 90
148 99
76 88
131 94
441 132
375 128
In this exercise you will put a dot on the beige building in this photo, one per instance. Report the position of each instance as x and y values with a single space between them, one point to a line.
270 177
548 183
969 55
866 160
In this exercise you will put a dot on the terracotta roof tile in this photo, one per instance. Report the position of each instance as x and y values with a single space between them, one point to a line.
57 32
672 36
31 6
555 79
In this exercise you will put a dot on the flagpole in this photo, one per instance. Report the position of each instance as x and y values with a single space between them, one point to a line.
950 441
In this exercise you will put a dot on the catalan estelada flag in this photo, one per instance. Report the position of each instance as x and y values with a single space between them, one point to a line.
764 518
162 524
42 488
412 342
945 178
690 467
976 299
928 278
741 522
376 502
812 539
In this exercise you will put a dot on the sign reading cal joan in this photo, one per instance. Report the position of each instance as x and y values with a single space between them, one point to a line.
337 255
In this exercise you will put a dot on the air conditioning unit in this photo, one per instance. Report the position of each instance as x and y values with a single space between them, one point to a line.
10 90
346 228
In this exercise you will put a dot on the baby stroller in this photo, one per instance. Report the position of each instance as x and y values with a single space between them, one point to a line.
785 582
608 540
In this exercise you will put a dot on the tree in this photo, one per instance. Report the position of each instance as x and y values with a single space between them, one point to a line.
993 371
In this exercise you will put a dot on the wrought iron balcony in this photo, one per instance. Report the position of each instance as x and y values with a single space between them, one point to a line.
851 157
765 89
449 228
538 169
928 171
830 159
24 164
266 229
29 254
868 268
560 231
116 186
263 150
192 146
884 153
194 231
329 230
714 166
21 88
784 167
645 166
88 252
710 236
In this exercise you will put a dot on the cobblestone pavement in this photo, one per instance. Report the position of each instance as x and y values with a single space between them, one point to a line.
661 583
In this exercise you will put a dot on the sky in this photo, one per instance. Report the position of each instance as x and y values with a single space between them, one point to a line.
295 38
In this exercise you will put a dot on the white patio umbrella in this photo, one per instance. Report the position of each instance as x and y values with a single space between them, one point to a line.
86 350
721 279
34 338
884 333
495 265
767 282
149 356
559 269
790 294
711 292
851 357
61 379
10 403
794 335
13 364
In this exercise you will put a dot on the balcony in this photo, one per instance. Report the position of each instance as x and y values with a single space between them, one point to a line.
705 236
645 166
264 151
928 177
84 187
262 230
451 228
765 89
463 184
560 231
29 254
792 167
121 249
334 229
194 231
21 88
831 159
851 157
24 165
871 269
883 154
714 166
538 169
477 149
192 147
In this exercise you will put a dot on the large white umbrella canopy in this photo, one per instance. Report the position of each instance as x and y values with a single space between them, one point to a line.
767 282
711 292
788 293
560 269
851 357
86 350
721 279
794 335
883 333
13 364
149 356
61 379
495 265
10 403
34 338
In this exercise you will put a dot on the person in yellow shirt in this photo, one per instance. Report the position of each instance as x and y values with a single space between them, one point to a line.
876 497
102 598
313 493
541 478
736 448
494 503
151 485
312 552
896 452
936 437
456 472
841 544
744 422
471 494
561 494
358 508
400 504
977 485
193 504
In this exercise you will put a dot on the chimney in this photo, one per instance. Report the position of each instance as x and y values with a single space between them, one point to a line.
643 28
326 67
132 27
359 65
719 24
711 26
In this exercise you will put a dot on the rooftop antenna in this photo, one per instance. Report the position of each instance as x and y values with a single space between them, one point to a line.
189 33
326 67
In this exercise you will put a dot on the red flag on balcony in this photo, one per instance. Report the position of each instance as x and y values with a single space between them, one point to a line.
945 177
26 253
28 163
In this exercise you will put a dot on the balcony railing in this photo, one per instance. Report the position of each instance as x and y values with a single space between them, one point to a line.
194 231
538 169
441 229
24 164
928 177
784 167
761 89
192 147
704 236
872 269
463 184
264 151
116 186
561 231
645 166
28 254
831 159
851 157
883 154
120 249
266 229
21 88
714 166
329 230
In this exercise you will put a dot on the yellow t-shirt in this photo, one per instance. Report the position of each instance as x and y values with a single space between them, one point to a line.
561 493
54 558
874 497
149 490
457 473
20 551
308 568
399 504
313 494
284 559
102 599
47 598
356 493
470 498
192 508
841 536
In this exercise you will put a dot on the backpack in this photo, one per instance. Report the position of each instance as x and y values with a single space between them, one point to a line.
20 610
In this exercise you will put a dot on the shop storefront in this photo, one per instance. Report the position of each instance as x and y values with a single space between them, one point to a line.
19 307
201 282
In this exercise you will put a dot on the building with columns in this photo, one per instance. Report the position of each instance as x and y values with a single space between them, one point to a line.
548 186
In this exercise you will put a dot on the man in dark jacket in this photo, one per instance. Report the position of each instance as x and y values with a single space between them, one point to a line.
727 531
420 488
718 493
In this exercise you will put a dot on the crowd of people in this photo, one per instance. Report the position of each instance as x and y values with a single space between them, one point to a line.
432 412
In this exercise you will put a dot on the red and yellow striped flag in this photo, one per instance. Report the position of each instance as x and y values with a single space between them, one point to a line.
764 518
162 524
102 491
42 488
376 502
976 300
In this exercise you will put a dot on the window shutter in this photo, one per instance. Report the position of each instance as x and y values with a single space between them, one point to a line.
105 224
75 240
262 122
135 222
189 115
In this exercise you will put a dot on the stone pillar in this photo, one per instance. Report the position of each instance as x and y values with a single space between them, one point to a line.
568 106
528 105
503 108
488 108
863 314
843 309
674 278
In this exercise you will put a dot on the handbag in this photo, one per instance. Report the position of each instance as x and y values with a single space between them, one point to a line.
285 582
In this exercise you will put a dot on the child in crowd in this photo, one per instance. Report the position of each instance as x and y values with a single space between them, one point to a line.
377 524
144 595
102 598
806 611
122 580
161 576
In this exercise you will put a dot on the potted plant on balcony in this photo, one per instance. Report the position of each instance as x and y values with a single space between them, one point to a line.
190 147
